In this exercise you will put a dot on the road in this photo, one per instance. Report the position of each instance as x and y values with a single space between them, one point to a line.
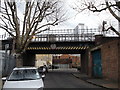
64 79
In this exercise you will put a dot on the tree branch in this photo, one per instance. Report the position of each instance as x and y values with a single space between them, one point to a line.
113 29
9 16
24 22
6 29
54 23
111 11
41 31
37 15
95 9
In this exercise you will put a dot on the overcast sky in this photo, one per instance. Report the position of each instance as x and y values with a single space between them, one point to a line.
92 20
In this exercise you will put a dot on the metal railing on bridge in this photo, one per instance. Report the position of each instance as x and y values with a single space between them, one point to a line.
63 37
66 35
70 35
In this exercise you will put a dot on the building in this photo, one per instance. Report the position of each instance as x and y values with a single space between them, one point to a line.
67 60
104 58
43 59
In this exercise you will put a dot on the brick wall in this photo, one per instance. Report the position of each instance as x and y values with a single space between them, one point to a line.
66 58
76 60
110 55
90 65
119 63
84 62
110 60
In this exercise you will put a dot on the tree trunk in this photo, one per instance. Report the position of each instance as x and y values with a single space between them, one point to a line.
19 60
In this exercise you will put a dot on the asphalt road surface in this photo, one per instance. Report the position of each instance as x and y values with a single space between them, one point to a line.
64 79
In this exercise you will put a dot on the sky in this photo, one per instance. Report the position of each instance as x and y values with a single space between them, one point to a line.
91 20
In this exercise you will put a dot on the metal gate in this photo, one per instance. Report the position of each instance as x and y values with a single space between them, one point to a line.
63 66
97 67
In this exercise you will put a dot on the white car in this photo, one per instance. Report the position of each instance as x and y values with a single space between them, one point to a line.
24 78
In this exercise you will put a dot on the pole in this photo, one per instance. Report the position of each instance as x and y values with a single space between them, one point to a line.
119 55
0 65
118 22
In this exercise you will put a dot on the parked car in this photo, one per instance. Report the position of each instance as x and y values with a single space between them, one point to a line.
25 77
43 69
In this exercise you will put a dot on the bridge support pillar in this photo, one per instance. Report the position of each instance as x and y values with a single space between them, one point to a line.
29 59
84 62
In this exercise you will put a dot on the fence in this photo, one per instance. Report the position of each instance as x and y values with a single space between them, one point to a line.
7 63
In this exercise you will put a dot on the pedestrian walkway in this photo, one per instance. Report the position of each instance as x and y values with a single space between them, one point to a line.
99 82
0 84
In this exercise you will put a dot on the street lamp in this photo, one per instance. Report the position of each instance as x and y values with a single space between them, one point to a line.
6 48
33 38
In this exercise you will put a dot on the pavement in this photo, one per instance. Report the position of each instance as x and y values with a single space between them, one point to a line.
0 80
0 84
105 83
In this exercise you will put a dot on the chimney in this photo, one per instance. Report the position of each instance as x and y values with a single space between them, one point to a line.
98 39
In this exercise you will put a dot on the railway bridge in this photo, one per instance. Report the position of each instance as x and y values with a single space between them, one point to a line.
66 41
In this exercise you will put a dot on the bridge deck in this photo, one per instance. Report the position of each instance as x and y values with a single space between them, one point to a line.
64 37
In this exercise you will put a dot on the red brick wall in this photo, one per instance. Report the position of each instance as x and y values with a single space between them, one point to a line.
119 63
64 56
110 60
76 61
90 65
62 59
84 62
110 54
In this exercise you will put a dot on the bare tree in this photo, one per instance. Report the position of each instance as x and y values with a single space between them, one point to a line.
92 5
36 17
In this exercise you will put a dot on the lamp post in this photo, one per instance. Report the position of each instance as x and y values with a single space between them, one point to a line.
6 48
0 66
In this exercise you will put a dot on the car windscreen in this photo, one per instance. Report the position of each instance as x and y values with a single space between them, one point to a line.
26 74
